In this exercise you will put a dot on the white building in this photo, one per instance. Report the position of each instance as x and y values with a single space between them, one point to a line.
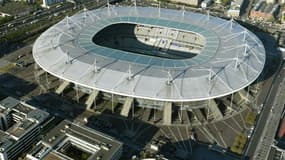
234 10
206 3
48 3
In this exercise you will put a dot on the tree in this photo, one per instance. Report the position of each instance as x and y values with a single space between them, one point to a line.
225 2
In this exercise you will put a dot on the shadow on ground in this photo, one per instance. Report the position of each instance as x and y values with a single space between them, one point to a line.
273 56
191 150
13 86
57 105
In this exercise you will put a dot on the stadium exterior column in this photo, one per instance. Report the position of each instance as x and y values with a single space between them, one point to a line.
215 109
167 113
61 88
95 105
232 97
154 115
247 92
91 99
181 118
47 81
133 109
77 94
128 105
112 103
199 115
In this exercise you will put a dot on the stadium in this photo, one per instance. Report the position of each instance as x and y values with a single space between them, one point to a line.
159 62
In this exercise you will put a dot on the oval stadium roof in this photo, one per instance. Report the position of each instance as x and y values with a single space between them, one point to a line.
231 59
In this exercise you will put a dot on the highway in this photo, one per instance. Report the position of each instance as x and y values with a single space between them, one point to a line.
264 133
271 125
27 20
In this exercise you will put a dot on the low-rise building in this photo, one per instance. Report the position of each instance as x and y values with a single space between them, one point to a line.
20 126
270 1
188 2
71 141
48 3
234 10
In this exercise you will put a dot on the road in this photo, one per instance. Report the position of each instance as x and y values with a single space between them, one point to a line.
271 125
27 20
260 130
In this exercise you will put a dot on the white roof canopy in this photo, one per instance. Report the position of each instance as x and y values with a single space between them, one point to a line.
231 59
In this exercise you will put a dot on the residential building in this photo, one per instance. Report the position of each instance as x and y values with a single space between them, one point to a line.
264 11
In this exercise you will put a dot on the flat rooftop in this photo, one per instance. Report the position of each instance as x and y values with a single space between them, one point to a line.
68 138
22 119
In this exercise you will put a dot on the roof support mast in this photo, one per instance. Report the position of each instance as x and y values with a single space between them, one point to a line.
130 72
232 21
108 5
158 9
135 4
183 11
95 66
208 15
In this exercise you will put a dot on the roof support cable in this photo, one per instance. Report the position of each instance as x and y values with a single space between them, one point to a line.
142 70
84 16
229 48
135 3
222 25
158 9
169 78
232 36
91 16
245 49
232 23
63 32
237 62
244 35
113 9
68 61
245 76
254 54
74 22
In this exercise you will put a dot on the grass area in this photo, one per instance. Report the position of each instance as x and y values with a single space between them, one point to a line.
7 68
250 118
5 19
15 35
239 143
2 96
15 8
12 36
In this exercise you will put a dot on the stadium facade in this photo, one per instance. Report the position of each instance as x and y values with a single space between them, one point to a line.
154 58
